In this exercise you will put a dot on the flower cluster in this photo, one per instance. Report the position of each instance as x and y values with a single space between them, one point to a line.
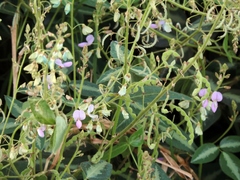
79 115
215 97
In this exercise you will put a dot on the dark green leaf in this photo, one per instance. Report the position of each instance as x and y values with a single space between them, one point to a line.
40 142
92 3
116 150
42 177
230 164
150 92
136 139
42 112
106 76
100 170
117 51
88 89
17 106
141 71
230 144
158 173
205 153
10 127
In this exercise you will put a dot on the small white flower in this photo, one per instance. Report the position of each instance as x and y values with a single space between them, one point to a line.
90 110
22 149
123 90
13 153
98 128
125 114
198 129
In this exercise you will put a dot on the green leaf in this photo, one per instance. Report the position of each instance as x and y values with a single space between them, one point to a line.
136 139
205 153
117 52
40 142
93 3
142 72
150 92
17 106
41 177
106 76
116 150
88 89
158 173
230 164
42 112
10 127
230 144
59 131
101 170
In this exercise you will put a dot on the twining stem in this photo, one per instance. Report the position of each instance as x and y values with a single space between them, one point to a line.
191 61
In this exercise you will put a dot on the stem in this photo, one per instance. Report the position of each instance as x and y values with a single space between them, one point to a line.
73 47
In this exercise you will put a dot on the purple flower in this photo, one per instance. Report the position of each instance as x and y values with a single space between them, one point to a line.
41 130
61 64
78 116
216 97
164 24
202 92
89 39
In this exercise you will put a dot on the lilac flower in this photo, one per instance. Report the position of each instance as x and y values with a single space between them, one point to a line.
90 110
41 130
202 92
155 26
78 116
89 39
63 65
215 97
164 24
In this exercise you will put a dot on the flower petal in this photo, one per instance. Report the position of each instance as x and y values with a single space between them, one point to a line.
161 22
153 26
205 103
202 92
40 132
67 64
83 44
79 124
59 62
217 96
167 27
90 108
79 115
214 106
90 39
